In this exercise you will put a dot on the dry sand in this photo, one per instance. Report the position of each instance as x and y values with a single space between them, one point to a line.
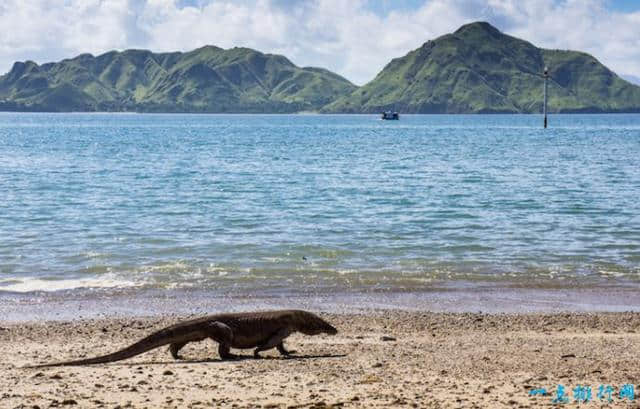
436 360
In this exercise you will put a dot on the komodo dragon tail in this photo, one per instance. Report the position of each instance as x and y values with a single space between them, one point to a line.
155 340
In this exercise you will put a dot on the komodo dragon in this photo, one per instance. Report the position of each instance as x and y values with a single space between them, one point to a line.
260 330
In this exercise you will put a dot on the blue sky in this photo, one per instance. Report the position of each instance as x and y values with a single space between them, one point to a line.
382 7
354 38
625 5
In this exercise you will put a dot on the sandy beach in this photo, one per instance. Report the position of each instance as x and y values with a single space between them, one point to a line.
378 359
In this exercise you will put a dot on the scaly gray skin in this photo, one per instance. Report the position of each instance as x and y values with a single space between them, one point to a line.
260 330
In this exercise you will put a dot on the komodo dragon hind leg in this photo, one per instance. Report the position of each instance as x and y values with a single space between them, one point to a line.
283 350
274 341
175 348
223 335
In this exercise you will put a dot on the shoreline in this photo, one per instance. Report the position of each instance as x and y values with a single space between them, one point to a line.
433 360
456 297
306 113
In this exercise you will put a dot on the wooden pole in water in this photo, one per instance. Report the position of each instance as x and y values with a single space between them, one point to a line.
544 105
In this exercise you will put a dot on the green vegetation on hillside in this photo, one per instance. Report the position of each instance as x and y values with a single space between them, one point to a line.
476 69
208 79
479 69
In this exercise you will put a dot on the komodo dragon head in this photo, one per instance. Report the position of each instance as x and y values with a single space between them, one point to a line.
311 324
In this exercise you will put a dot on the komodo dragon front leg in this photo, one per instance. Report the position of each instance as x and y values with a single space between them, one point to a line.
274 341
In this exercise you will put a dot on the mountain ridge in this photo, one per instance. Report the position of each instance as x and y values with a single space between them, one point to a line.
475 69
479 69
207 79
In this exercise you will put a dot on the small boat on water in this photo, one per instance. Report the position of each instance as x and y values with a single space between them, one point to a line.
390 115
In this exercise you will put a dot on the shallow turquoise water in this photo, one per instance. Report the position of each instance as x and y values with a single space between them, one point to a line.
273 203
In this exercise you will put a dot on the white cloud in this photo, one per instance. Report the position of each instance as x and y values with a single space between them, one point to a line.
344 36
585 25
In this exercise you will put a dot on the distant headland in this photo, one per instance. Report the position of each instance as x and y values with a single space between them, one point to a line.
476 69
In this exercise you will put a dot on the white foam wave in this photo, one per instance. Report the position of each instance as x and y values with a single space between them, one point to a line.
616 274
29 284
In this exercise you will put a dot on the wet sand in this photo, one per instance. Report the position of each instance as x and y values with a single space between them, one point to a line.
454 296
379 359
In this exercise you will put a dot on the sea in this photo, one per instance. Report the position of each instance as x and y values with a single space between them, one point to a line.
128 207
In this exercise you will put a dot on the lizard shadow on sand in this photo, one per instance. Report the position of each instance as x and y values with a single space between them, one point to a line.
220 361
237 359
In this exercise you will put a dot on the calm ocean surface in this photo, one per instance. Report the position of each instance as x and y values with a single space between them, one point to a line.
271 203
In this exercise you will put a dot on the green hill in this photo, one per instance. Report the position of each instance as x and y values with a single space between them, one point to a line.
473 70
479 69
208 79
